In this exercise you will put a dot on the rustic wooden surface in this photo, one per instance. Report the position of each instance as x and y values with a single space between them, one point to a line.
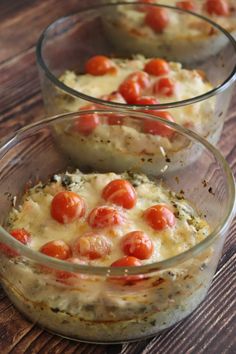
211 328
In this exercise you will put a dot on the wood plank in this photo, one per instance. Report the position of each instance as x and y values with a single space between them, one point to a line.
9 9
12 328
19 82
21 28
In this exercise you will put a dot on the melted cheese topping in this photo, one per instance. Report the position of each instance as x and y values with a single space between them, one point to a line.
189 84
34 216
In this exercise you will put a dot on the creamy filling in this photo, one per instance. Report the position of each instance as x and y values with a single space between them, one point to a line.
34 216
188 84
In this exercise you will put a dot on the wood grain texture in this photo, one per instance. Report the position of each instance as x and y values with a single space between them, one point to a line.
211 328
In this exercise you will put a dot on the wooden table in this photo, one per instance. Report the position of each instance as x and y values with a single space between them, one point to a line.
211 328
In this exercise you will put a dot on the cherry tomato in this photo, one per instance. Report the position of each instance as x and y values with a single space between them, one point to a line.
217 7
99 65
86 124
92 246
120 192
20 235
157 67
157 19
57 249
141 77
146 100
137 244
186 5
164 86
127 261
130 90
159 217
66 207
157 128
114 119
104 216
63 275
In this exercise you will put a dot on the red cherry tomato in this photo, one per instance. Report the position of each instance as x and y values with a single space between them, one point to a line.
63 275
20 235
114 119
157 128
159 217
86 124
141 77
130 90
99 65
57 249
186 5
146 100
127 261
120 192
92 246
66 207
137 244
157 67
217 7
157 19
164 86
104 216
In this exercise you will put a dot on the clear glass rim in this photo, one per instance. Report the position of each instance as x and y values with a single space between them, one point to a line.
144 269
223 86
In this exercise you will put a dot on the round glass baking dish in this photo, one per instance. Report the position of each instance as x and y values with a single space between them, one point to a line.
100 307
67 44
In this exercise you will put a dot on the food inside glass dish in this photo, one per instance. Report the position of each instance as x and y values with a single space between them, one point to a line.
107 256
143 82
144 23
222 12
102 218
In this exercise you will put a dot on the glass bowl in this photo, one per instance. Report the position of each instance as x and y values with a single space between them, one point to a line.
100 305
65 46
